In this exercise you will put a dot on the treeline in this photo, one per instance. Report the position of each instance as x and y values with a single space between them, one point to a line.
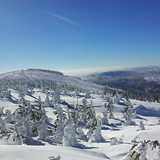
132 93
48 71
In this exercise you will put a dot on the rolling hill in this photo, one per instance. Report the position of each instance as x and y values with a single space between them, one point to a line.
33 76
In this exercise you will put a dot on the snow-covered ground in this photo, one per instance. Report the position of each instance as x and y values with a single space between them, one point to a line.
147 112
33 76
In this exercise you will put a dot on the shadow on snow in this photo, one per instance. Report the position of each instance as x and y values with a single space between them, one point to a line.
141 110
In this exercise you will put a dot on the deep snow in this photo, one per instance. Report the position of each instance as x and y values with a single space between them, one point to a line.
147 112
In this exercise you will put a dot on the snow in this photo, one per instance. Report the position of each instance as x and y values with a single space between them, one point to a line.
24 152
146 111
36 75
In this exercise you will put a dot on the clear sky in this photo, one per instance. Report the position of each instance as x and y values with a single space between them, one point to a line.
79 36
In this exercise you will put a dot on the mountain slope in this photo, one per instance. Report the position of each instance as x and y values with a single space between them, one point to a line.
38 75
139 81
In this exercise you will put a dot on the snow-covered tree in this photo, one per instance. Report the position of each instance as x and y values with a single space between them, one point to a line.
19 115
91 120
59 124
3 128
137 152
65 91
42 130
157 157
105 115
69 138
88 94
114 141
39 101
14 138
22 101
74 115
59 132
80 134
96 135
104 118
25 89
83 109
141 126
1 111
91 114
110 108
128 113
8 117
21 94
47 101
117 98
56 97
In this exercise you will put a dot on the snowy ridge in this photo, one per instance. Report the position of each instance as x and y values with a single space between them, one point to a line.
32 76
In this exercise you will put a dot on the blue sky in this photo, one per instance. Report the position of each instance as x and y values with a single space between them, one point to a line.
79 36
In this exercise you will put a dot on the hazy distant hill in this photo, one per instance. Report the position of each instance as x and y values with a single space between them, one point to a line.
47 76
150 68
141 81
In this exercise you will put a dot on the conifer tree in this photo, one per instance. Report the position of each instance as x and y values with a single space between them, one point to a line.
96 135
91 125
104 118
114 141
59 123
88 94
3 128
14 138
141 126
56 96
137 152
42 130
69 138
83 109
110 109
1 111
47 101
128 113
8 117
80 134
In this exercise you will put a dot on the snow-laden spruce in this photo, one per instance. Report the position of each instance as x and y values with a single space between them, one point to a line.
139 151
128 113
69 138
96 135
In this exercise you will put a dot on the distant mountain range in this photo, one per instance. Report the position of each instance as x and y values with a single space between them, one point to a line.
140 80
148 68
